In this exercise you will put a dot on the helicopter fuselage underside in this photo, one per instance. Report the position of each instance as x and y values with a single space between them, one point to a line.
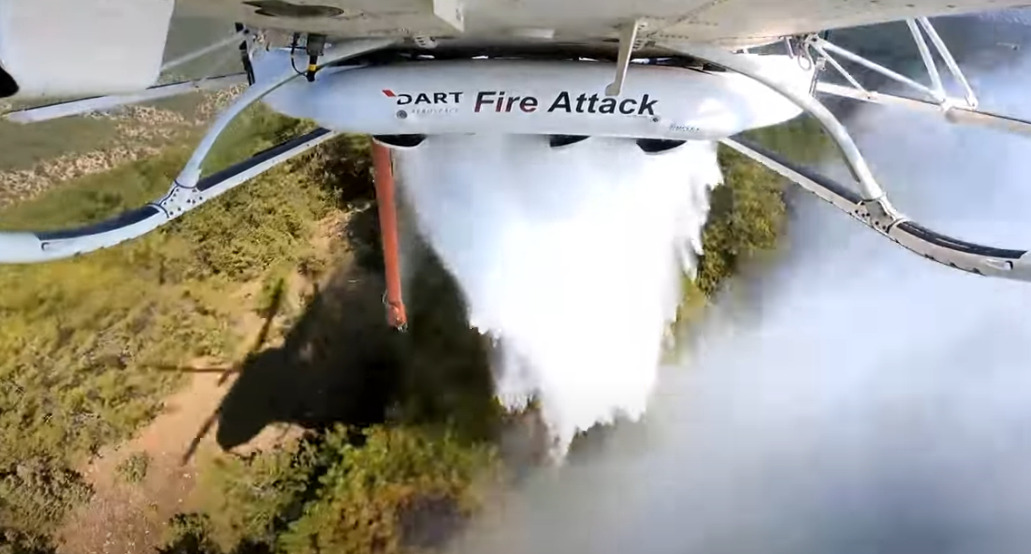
732 23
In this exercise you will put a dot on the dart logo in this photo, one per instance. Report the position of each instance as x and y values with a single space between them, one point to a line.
424 98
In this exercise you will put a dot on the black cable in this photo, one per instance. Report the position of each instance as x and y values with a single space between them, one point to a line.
245 57
293 46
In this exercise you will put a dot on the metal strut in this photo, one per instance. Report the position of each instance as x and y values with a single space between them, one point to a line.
383 173
870 205
934 98
241 33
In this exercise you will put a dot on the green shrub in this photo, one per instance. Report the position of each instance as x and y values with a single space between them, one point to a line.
133 469
382 489
34 496
746 217
250 499
17 542
383 494
344 166
189 534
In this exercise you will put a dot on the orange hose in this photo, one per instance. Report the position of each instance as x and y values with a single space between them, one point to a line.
384 178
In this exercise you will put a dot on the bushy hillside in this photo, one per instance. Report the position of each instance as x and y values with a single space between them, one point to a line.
402 433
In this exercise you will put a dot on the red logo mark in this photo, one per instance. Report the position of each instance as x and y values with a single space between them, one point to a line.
389 93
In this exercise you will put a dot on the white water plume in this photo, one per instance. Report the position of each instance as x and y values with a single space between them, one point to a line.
567 257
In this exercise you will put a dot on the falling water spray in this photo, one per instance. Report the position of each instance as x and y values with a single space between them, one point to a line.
570 259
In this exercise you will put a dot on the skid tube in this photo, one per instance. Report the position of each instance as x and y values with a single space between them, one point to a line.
869 204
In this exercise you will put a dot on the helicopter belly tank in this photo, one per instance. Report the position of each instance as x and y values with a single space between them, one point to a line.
540 97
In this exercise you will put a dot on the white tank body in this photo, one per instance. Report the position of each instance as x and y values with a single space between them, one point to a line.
535 97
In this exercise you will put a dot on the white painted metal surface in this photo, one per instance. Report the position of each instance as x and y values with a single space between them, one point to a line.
81 47
732 22
540 97
78 48
102 103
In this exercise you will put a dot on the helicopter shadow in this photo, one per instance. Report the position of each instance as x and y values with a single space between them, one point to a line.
341 363
333 366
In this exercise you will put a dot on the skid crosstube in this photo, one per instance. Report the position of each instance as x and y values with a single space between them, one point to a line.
955 253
